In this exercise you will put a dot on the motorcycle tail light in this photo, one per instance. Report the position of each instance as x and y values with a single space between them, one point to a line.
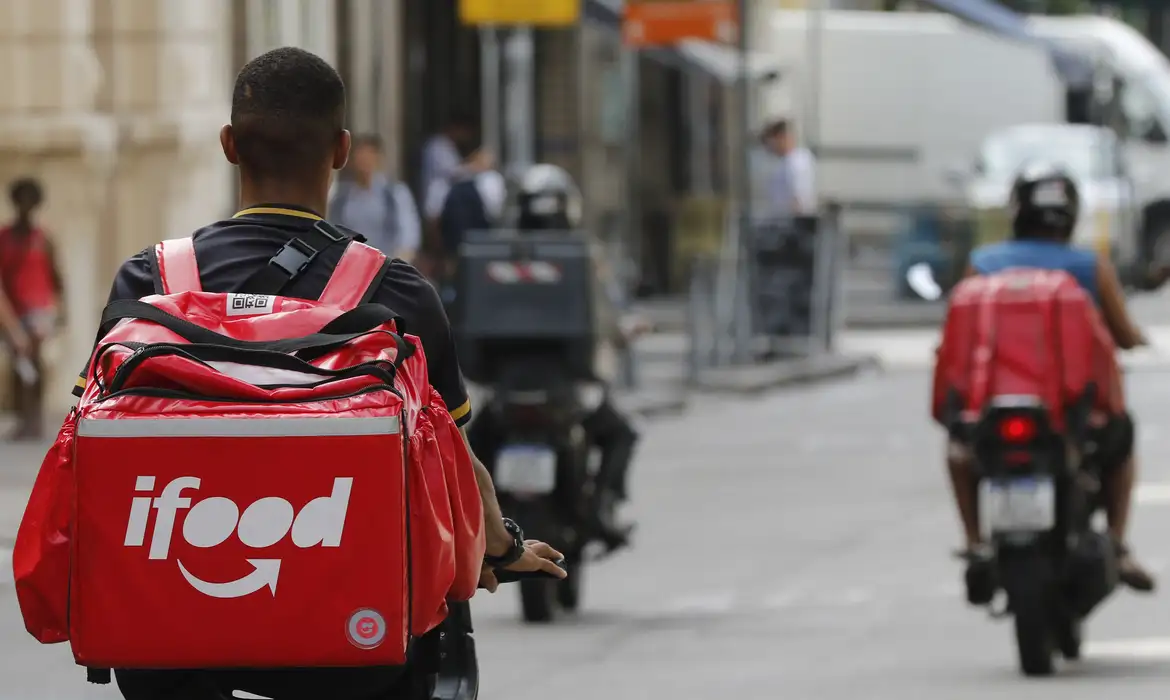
1017 429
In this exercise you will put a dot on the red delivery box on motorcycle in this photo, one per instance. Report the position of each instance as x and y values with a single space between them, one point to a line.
1024 332
251 481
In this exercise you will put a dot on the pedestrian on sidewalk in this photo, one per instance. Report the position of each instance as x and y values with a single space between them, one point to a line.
368 202
788 180
32 291
473 199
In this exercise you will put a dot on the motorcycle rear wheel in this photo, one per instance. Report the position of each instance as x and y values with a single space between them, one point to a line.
1029 600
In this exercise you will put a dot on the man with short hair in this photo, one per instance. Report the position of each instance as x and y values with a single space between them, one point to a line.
370 203
789 183
287 137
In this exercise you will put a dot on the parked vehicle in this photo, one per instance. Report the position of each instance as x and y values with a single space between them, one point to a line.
1093 156
890 101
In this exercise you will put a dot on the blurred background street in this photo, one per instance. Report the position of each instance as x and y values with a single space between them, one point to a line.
759 191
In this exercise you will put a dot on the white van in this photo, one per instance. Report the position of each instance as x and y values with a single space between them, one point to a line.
1142 112
904 97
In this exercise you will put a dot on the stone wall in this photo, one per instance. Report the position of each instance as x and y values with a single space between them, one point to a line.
115 105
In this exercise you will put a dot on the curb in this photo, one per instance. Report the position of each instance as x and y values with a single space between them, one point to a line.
759 379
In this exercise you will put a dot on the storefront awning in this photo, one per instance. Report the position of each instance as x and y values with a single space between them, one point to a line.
716 60
1075 69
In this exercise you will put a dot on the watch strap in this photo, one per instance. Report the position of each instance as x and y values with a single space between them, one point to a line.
514 552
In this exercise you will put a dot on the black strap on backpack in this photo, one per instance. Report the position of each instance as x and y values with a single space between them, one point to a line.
293 259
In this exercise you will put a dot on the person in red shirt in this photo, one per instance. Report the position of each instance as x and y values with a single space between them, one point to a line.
32 289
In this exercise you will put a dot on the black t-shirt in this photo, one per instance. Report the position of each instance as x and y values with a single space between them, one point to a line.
230 251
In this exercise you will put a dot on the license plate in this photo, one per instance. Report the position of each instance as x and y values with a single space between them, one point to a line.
529 469
1017 505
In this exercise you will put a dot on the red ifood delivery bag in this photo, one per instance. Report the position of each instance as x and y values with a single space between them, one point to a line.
250 481
1024 332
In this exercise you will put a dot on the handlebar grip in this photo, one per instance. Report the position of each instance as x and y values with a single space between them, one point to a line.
505 576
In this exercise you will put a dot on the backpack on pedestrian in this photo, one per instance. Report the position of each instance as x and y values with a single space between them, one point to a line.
251 481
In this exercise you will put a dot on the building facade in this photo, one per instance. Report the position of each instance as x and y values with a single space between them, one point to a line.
114 106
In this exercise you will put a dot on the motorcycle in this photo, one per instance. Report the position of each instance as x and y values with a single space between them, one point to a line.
1038 492
540 460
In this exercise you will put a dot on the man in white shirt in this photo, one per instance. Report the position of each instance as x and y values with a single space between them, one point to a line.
440 155
368 202
791 183
472 200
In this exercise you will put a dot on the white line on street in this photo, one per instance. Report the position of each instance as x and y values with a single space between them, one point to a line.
1153 494
1147 648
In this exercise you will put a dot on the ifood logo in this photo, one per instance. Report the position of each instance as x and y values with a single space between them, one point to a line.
211 521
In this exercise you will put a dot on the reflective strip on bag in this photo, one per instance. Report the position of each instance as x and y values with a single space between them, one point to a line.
236 427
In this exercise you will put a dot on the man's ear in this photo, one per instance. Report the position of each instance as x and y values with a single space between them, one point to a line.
227 140
341 150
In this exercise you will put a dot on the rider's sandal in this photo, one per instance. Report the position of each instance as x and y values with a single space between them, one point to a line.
1131 573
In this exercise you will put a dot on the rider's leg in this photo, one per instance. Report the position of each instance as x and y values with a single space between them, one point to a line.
616 438
1118 486
964 488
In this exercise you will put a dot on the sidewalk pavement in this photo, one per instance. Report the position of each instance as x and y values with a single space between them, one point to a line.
19 463
662 373
867 305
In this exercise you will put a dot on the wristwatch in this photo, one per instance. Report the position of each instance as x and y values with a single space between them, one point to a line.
514 552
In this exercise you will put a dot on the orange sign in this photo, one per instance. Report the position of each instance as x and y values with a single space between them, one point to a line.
659 22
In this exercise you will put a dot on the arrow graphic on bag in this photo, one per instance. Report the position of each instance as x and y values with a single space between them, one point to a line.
266 573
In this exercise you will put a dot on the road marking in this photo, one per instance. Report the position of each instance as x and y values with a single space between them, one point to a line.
1153 494
5 565
1147 648
719 602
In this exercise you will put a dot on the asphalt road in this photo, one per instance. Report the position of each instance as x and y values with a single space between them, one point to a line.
794 546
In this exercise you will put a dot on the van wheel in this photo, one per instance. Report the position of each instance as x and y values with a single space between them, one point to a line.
538 599
1156 241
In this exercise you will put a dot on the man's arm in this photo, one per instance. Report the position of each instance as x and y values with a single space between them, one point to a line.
498 539
1125 332
803 173
421 307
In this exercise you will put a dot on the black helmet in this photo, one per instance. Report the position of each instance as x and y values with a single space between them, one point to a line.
1044 200
548 200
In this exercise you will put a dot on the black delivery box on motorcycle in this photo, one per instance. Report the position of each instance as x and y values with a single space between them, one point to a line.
528 293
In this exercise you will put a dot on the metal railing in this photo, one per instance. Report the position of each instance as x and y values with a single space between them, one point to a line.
776 294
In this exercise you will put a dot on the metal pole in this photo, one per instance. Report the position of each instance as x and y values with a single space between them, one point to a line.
633 157
812 99
520 131
744 332
489 66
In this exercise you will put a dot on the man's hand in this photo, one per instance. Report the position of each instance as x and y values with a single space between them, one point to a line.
537 556
20 341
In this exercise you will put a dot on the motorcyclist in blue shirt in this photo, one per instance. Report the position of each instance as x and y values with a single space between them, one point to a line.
1045 205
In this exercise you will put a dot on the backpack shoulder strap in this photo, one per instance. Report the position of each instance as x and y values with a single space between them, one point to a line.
356 277
175 269
291 260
